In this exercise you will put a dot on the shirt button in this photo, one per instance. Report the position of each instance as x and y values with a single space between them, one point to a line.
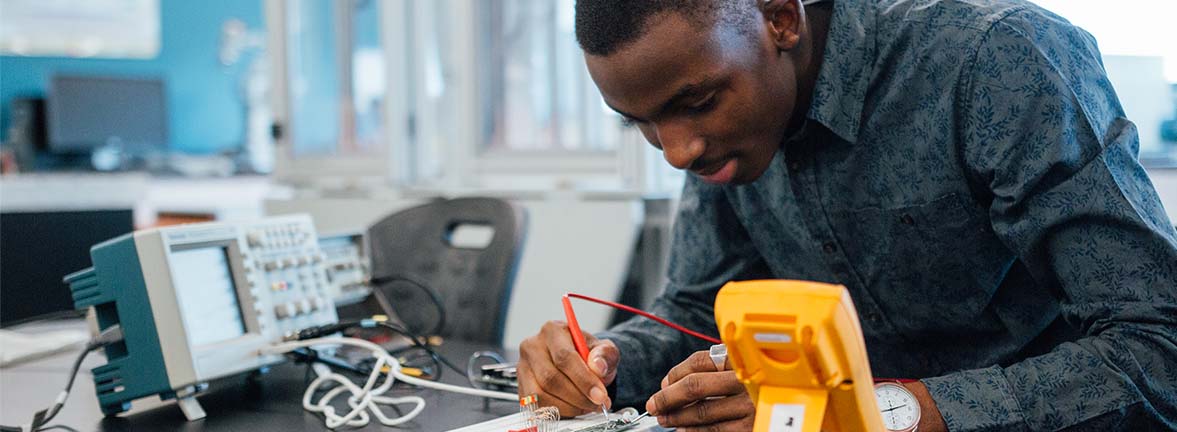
907 219
796 166
829 247
873 318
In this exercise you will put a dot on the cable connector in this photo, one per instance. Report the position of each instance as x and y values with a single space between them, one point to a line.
111 335
328 329
108 336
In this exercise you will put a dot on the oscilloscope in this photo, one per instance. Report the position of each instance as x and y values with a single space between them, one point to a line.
200 302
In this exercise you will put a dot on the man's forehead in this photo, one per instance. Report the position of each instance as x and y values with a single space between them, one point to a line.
672 54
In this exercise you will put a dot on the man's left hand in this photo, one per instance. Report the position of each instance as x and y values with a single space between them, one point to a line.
695 396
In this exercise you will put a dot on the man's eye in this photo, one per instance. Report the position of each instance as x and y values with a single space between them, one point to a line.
703 106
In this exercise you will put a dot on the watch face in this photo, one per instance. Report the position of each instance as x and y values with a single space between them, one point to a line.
900 410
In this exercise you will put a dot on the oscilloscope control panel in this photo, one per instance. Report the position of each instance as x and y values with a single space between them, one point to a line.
284 263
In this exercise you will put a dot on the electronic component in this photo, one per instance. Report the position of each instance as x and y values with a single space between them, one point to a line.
798 348
623 420
346 262
199 302
500 375
535 418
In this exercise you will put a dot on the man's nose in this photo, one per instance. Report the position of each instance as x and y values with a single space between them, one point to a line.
680 147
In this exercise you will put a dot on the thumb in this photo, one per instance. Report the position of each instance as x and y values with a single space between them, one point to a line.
602 360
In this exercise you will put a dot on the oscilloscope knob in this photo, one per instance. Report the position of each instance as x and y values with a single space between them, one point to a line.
285 310
254 238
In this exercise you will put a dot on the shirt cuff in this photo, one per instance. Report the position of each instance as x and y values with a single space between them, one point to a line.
976 400
624 391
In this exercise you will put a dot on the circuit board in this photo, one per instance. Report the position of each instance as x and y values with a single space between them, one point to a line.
616 425
623 420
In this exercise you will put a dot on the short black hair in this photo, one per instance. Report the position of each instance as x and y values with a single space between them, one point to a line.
605 26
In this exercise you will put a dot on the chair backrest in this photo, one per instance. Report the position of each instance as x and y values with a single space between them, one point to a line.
474 283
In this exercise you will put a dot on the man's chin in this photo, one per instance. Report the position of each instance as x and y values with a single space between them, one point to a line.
749 174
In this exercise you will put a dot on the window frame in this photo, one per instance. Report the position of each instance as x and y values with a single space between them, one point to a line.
415 129
310 169
621 168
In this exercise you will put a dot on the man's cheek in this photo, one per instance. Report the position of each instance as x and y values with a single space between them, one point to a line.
650 136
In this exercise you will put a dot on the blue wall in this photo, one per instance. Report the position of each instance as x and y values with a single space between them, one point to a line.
205 110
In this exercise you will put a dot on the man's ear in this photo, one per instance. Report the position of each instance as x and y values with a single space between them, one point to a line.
784 19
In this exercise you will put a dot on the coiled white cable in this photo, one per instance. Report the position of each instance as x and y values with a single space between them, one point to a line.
363 400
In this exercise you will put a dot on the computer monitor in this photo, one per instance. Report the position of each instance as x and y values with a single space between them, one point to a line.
39 248
87 112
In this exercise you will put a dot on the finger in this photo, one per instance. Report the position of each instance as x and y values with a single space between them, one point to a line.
527 384
566 371
545 398
700 361
692 388
740 425
603 359
537 375
568 362
710 412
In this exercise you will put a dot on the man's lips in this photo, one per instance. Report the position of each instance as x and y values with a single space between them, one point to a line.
711 168
720 173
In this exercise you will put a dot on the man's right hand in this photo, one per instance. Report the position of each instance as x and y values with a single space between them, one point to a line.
550 367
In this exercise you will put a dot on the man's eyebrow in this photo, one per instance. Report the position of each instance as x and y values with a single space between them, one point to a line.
627 116
684 92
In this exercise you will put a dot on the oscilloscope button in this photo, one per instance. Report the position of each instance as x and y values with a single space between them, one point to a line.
304 306
285 310
254 238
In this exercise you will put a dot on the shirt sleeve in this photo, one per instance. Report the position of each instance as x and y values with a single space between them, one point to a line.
1045 137
709 248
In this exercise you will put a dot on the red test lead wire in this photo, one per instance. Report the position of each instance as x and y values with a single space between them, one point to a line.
582 347
574 328
578 337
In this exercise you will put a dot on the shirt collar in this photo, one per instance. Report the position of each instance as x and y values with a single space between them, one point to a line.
846 68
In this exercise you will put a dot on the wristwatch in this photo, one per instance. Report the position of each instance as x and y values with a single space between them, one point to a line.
900 409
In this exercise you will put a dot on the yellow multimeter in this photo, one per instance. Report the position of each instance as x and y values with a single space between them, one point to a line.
798 348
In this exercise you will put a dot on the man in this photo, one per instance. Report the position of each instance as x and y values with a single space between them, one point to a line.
962 167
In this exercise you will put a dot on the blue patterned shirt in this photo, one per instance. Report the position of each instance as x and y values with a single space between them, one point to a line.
967 172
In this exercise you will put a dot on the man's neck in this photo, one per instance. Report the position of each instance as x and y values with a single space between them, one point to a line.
818 16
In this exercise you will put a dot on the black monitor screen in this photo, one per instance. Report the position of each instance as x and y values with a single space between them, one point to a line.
37 249
89 112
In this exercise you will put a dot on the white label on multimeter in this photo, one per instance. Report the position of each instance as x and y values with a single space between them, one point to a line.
786 418
773 337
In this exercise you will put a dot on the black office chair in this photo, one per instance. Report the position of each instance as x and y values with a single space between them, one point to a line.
416 265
